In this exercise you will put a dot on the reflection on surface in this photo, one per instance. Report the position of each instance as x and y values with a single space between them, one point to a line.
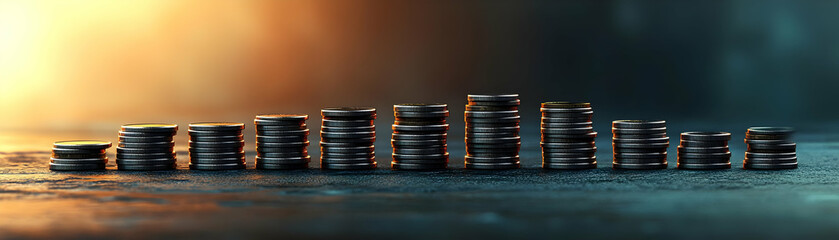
455 203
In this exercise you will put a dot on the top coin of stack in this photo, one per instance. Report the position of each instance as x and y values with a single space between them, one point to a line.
147 147
639 144
492 131
419 137
281 141
568 136
347 138
79 155
704 151
770 148
216 146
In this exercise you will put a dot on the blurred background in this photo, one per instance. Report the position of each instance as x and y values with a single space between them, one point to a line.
92 66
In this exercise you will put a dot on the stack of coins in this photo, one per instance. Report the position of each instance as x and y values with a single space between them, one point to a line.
704 151
492 132
568 136
347 138
419 137
216 146
147 147
281 141
770 148
79 155
639 144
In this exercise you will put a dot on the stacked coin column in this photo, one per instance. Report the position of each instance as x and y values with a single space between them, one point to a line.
216 146
639 144
347 139
419 137
147 147
492 132
281 141
770 148
80 155
568 136
704 151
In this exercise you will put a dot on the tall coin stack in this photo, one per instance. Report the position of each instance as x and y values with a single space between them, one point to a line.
147 147
639 144
419 137
216 146
79 155
347 138
568 136
492 132
704 151
281 141
770 148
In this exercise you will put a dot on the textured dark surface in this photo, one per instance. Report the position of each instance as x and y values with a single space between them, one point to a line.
456 203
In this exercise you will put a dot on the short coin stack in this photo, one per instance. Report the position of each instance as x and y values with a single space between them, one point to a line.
492 132
79 155
639 144
568 136
216 146
704 151
419 137
770 148
281 141
147 147
347 138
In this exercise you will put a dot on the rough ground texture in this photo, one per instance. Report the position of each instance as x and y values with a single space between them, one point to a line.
456 203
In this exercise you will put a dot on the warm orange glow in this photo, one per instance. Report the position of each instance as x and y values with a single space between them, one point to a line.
94 65
66 62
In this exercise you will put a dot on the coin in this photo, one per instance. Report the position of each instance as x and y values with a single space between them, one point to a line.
268 166
569 166
703 149
702 144
778 166
420 151
492 166
423 128
77 167
216 126
157 161
492 98
281 128
705 136
708 166
420 107
638 124
280 119
661 140
491 114
639 166
150 128
217 167
148 139
346 123
82 144
353 112
281 139
436 114
288 160
507 159
563 104
491 108
586 124
95 160
156 167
